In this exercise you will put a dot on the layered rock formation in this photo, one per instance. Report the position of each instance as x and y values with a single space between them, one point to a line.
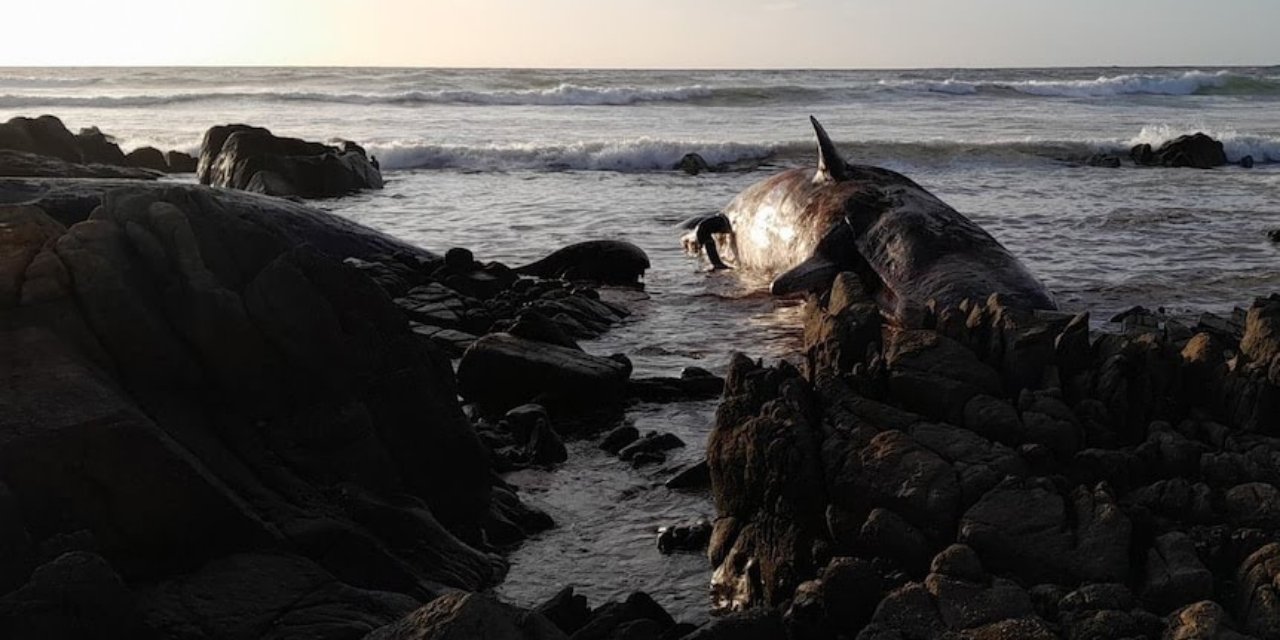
996 473
249 158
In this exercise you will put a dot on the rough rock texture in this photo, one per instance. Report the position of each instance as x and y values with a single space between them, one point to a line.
252 159
1121 485
19 164
502 371
308 469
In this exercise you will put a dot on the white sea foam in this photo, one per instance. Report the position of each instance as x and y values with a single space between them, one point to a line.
1172 84
635 155
563 94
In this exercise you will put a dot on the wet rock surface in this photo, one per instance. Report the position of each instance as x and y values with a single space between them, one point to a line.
990 472
248 158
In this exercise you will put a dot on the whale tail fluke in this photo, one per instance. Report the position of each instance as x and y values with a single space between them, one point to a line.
831 167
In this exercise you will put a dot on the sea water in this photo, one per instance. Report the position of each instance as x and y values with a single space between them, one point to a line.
515 163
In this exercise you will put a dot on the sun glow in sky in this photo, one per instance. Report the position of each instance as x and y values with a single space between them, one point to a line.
642 33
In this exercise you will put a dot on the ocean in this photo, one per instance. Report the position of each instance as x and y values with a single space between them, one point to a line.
515 163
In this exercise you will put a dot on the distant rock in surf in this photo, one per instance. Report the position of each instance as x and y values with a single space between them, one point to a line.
253 159
1198 151
692 164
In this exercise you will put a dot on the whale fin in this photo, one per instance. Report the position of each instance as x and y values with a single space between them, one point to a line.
814 274
831 167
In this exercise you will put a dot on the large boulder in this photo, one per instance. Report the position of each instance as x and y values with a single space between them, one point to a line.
469 616
276 395
253 159
20 164
147 158
43 136
1196 150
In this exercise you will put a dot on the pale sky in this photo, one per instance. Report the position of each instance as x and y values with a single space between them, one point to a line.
642 33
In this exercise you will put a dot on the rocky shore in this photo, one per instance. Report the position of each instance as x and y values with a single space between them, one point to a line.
993 473
230 415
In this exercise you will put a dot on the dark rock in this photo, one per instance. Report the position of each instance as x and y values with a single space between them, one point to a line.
502 371
252 159
1246 162
464 616
531 425
566 610
18 164
147 158
692 537
533 325
1257 603
267 595
887 534
1175 576
99 148
77 595
652 442
896 472
692 164
959 561
993 419
935 375
767 480
1255 504
460 260
603 261
1204 620
619 438
757 624
646 458
42 136
1274 235
694 477
1021 527
675 389
1143 155
607 620
179 162
1197 151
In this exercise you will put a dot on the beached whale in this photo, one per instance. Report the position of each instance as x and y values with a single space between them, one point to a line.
907 246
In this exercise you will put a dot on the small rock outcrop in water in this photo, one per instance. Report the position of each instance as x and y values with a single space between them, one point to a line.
249 158
995 473
1197 151
43 147
602 261
692 164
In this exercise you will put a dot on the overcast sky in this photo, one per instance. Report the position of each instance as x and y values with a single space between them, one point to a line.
642 33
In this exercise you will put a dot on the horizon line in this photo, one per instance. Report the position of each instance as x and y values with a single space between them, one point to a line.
677 69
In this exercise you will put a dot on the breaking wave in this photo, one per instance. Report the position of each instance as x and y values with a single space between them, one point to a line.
1185 83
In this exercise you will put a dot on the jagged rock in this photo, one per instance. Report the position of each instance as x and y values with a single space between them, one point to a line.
935 375
888 535
502 371
252 159
993 419
468 616
896 472
1103 160
767 480
603 261
609 620
99 148
756 624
